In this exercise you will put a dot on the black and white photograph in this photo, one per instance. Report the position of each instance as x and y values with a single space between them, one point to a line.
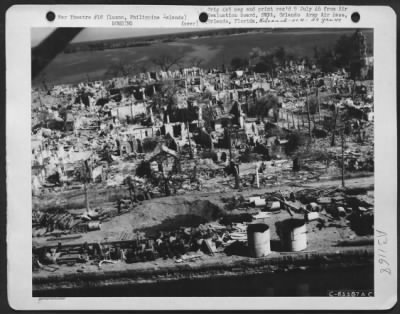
212 162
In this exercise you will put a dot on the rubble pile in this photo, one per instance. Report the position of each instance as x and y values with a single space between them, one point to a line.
181 244
227 235
354 161
104 130
59 222
123 152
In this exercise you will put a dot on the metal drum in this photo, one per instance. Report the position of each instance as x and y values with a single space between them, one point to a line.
258 239
293 234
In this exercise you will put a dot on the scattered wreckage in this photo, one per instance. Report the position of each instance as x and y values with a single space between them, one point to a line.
230 234
132 140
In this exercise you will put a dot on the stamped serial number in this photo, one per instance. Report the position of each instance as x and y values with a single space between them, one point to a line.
350 293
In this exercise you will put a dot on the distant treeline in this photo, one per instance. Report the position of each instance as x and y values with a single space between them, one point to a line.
103 46
148 40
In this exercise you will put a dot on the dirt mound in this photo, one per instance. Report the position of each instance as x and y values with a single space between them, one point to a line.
165 214
167 207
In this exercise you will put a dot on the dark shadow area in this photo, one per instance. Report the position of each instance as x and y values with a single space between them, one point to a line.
317 282
276 245
177 222
237 248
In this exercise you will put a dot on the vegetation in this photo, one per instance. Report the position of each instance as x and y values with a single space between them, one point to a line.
73 68
144 41
295 141
238 63
120 69
348 53
166 61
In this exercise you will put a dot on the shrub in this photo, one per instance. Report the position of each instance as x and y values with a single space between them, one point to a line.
295 141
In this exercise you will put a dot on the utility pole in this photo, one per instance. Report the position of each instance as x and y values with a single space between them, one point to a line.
40 101
229 144
190 144
86 173
165 179
132 188
86 197
294 126
233 165
334 126
131 107
236 174
287 119
319 106
308 113
342 135
257 177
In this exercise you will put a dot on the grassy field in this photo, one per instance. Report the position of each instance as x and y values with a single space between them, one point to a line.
76 67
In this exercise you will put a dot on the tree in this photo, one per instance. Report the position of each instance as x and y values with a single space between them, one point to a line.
132 188
195 62
43 80
349 52
143 170
261 67
255 54
317 53
313 104
119 69
280 55
166 61
165 96
267 64
142 67
238 63
326 60
265 103
295 141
